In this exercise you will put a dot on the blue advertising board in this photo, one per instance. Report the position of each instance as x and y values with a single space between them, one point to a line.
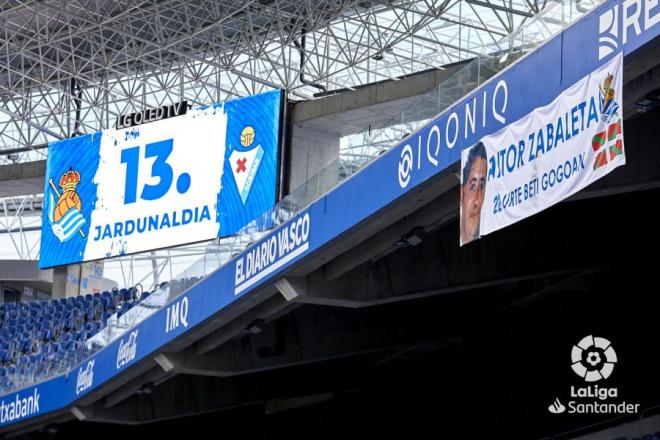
533 81
173 181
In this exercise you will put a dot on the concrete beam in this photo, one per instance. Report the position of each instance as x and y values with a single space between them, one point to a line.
429 217
123 414
216 326
22 430
265 311
348 299
22 179
291 288
125 391
351 111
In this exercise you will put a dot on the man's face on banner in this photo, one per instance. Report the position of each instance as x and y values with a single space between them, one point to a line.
472 198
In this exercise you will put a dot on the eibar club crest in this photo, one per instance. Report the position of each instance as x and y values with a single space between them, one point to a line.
608 140
245 164
65 215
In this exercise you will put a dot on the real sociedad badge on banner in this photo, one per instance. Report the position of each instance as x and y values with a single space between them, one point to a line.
65 215
245 164
608 141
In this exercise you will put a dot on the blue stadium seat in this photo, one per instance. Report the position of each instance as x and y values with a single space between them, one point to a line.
38 358
38 339
82 336
69 325
106 316
125 307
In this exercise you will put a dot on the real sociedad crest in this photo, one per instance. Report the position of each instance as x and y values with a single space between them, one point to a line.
608 141
245 164
65 216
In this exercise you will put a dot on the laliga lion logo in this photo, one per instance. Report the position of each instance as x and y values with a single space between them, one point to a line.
593 358
245 163
65 216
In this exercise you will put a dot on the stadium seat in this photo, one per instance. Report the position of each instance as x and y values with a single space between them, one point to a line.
124 308
42 338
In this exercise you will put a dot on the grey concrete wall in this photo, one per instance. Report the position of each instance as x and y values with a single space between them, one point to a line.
59 282
23 178
351 111
311 152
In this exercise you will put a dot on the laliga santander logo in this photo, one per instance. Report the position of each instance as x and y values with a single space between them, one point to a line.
593 358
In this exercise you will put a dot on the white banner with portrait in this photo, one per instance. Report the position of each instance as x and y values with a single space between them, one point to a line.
544 157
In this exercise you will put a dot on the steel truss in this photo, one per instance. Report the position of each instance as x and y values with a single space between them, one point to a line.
73 66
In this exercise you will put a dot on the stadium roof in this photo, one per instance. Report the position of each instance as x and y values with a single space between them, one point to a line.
107 57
